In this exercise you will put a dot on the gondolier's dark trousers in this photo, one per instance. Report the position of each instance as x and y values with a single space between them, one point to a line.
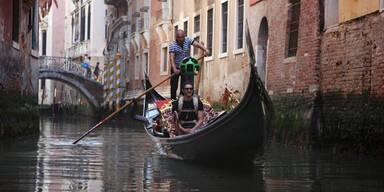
175 82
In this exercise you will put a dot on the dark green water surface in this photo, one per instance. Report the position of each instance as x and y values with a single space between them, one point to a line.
119 156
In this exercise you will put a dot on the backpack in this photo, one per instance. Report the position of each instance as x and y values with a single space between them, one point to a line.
195 100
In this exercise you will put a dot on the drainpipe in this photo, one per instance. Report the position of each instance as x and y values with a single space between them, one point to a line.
317 119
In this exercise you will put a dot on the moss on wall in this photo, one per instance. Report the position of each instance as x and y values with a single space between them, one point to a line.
18 115
354 122
293 117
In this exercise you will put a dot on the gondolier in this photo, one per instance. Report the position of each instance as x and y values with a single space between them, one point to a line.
178 50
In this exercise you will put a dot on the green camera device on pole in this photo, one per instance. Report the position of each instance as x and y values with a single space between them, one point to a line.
189 65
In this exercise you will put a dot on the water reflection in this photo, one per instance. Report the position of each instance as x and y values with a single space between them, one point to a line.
120 157
62 166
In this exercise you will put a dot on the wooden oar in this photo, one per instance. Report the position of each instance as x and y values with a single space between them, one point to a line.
121 108
201 62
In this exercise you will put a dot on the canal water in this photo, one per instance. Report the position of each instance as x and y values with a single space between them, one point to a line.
120 157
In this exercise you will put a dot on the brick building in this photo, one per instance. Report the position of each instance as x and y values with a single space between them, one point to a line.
18 67
323 67
19 46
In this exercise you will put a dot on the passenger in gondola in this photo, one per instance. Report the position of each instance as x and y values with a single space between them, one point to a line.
188 111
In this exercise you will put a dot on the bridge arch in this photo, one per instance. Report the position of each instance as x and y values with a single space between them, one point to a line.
91 89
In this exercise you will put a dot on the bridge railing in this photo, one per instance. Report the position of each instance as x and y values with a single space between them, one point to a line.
67 64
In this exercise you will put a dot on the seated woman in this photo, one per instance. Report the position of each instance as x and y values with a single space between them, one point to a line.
188 110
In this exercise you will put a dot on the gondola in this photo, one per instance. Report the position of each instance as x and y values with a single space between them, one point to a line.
238 134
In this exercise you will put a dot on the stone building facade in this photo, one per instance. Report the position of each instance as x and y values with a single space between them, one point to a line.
136 30
85 31
220 25
160 31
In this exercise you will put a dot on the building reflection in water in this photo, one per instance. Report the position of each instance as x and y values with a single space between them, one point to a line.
62 166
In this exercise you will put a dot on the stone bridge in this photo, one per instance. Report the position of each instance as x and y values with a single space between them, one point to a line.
62 69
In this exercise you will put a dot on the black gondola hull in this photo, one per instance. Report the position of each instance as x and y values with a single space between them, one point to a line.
239 133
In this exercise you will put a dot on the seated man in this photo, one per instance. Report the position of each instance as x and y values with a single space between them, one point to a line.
188 111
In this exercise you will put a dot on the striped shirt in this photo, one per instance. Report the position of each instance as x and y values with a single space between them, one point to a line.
181 52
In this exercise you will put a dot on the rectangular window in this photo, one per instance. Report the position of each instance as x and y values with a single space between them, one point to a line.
73 29
44 47
195 49
137 67
293 27
15 21
331 13
196 25
186 28
239 24
34 24
381 5
106 26
82 24
210 31
146 63
30 19
89 23
164 60
224 27
76 28
42 84
106 31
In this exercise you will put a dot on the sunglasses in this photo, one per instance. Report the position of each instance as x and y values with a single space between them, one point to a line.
188 88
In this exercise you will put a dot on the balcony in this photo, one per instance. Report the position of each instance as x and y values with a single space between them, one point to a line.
144 23
114 2
79 49
121 21
163 13
144 9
